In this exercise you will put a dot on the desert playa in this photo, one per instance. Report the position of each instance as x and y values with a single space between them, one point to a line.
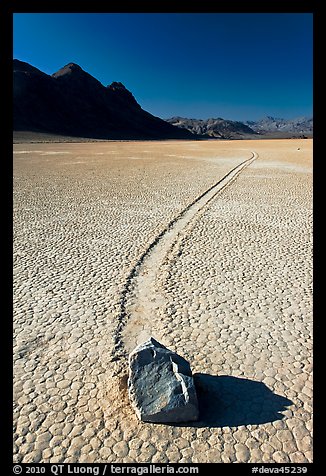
204 245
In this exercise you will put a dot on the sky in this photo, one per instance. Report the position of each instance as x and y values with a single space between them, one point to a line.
238 66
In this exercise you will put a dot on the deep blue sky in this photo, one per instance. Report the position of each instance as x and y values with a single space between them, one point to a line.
236 66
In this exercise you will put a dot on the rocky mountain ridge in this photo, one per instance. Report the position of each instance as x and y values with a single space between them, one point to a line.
269 124
267 127
214 128
71 102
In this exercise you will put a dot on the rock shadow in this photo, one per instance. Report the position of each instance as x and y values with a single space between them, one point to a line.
233 401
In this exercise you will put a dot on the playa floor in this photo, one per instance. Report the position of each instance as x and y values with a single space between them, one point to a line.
117 241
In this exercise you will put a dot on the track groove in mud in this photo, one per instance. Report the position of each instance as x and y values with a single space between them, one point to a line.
138 290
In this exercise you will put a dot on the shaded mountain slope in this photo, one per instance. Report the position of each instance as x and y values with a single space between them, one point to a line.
72 102
216 128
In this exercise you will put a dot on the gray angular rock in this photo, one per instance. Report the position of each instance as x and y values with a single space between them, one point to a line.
160 385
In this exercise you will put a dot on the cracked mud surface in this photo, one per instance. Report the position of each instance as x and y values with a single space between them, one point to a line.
235 292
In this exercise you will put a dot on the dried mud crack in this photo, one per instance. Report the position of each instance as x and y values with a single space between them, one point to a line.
141 299
114 240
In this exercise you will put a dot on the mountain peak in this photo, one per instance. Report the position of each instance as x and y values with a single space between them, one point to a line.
73 75
73 66
116 85
68 69
123 94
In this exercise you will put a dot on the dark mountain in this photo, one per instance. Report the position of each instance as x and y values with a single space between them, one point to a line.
216 128
298 127
72 102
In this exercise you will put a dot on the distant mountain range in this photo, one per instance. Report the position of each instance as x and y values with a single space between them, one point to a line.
71 102
267 127
300 125
214 128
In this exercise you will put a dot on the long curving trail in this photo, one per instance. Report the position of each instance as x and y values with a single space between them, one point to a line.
140 298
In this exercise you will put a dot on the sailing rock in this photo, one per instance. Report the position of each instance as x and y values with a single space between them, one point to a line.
160 385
